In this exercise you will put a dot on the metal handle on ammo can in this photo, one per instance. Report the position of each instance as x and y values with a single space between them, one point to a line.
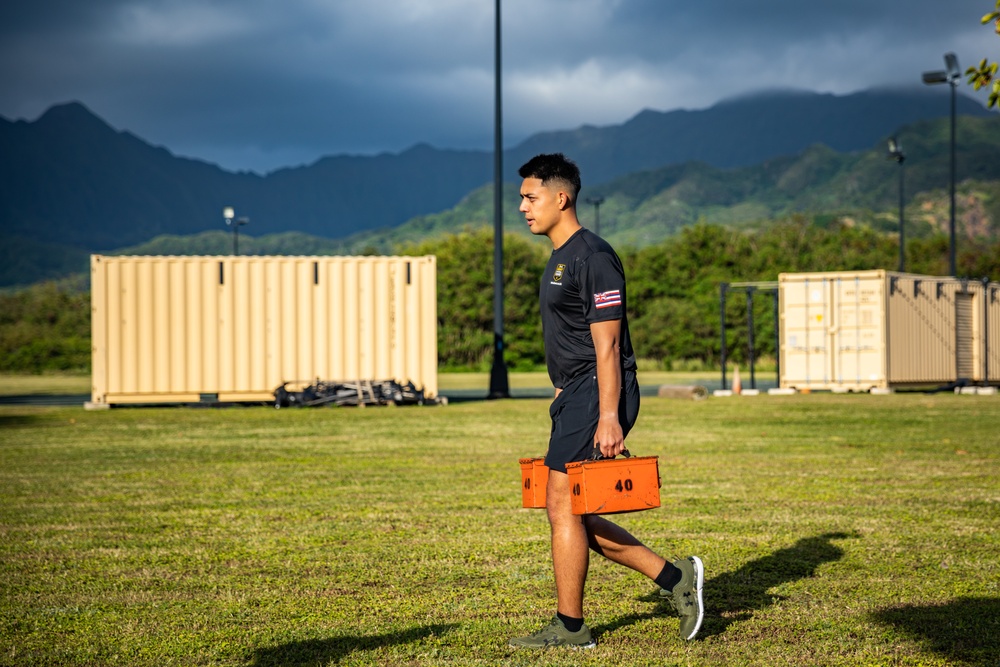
597 456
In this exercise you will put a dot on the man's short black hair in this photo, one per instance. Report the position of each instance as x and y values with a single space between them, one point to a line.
553 167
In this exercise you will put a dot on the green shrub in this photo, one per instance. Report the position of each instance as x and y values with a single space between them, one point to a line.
45 328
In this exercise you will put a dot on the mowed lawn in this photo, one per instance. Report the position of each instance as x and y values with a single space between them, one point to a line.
835 530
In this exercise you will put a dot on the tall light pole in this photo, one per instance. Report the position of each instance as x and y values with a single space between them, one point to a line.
896 153
951 75
596 202
232 221
499 387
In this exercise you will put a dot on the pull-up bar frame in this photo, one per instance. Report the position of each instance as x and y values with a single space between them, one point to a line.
750 288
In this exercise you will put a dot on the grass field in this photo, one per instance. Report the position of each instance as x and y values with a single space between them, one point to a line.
835 530
41 385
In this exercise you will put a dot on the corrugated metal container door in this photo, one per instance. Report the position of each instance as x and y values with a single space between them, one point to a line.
965 347
173 329
832 330
992 332
858 330
805 354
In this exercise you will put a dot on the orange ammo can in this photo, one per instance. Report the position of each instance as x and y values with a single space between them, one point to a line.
534 479
611 486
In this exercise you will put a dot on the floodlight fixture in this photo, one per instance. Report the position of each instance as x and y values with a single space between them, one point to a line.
951 64
232 221
937 76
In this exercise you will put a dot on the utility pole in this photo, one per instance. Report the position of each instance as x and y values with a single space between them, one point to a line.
896 153
596 202
499 386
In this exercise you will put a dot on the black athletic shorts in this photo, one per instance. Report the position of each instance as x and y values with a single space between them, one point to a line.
575 413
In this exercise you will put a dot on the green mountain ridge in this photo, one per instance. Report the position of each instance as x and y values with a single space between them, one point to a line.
858 188
819 184
69 177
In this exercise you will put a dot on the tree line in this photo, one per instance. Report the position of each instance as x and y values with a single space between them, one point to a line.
45 328
673 293
673 286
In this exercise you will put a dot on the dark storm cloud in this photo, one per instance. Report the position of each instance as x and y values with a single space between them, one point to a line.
262 83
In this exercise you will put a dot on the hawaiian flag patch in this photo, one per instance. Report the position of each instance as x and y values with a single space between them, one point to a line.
608 299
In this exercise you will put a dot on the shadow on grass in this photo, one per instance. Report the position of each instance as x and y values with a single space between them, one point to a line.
733 596
964 630
18 421
332 650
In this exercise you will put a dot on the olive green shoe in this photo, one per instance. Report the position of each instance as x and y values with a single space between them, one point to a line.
686 597
556 634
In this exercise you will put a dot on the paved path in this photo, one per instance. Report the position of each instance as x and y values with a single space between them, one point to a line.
457 395
46 399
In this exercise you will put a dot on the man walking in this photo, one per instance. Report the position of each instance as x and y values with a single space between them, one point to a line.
592 366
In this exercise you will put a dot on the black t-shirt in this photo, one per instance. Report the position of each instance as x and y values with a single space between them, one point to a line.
583 283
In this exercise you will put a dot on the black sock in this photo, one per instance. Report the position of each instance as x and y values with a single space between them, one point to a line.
668 577
572 624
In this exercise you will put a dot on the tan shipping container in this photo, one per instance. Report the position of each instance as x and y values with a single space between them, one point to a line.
231 328
863 330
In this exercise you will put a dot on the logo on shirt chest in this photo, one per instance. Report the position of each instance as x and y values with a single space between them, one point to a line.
558 275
